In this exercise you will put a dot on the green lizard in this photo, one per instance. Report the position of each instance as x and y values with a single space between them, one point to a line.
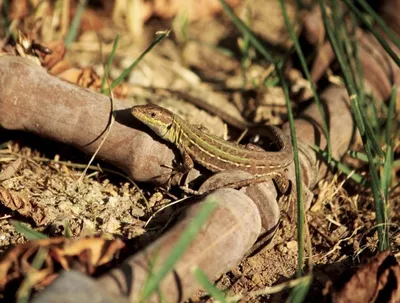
217 154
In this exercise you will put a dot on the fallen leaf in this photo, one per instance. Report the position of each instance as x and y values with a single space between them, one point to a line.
10 170
22 205
378 281
81 254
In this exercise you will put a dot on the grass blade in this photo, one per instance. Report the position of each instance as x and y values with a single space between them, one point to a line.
363 157
73 31
208 286
5 20
388 166
387 172
246 32
392 104
308 76
341 167
260 48
126 72
371 12
373 30
181 245
27 232
108 64
373 112
367 135
24 292
299 292
379 201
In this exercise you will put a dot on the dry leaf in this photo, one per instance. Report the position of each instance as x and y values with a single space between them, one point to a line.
377 281
22 205
15 201
83 254
10 170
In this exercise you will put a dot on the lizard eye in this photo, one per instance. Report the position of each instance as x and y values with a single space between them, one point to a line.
153 115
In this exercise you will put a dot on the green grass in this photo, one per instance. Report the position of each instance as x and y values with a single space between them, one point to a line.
186 238
246 51
341 167
24 292
27 232
299 292
278 67
358 107
209 286
365 114
375 32
382 24
5 20
308 76
160 36
108 65
279 70
76 22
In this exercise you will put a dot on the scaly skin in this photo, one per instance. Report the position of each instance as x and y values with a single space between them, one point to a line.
215 153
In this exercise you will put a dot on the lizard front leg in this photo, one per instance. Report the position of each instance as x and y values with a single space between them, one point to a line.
184 167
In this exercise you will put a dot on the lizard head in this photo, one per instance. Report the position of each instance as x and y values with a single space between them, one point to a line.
158 119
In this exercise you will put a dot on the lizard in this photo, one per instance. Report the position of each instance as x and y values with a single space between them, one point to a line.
216 154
